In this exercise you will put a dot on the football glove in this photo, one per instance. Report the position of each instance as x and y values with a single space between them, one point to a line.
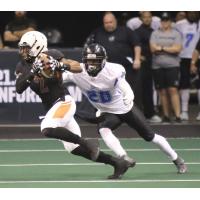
56 65
36 66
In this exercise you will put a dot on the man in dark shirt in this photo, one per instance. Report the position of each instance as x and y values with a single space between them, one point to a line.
122 46
144 33
16 28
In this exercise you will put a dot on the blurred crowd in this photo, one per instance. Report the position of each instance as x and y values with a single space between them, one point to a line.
160 55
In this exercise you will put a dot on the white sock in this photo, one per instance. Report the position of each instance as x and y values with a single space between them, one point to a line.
112 142
185 95
165 146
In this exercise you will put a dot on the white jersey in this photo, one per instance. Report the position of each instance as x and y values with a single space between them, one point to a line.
102 91
190 33
136 22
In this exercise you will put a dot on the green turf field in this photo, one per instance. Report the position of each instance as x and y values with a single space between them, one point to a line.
43 163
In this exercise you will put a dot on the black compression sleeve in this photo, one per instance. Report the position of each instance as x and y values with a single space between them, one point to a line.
23 81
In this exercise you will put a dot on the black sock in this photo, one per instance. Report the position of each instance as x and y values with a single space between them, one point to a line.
103 157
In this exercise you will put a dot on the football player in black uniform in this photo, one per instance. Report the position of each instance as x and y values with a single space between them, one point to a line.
41 70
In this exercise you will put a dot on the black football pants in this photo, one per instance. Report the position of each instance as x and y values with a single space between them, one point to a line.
134 118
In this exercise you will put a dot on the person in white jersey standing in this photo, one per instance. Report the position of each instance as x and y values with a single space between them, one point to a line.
105 86
190 30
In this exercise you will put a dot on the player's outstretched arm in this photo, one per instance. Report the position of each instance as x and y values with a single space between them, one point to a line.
74 66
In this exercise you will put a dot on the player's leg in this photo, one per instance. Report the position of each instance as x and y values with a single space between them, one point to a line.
54 123
172 84
147 93
198 88
105 127
120 165
66 129
136 120
159 80
184 87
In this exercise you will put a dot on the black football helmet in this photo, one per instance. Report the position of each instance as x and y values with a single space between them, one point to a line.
94 58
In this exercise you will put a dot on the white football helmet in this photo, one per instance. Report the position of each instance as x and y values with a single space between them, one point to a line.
32 44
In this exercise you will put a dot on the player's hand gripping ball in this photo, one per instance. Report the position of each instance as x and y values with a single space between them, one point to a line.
48 70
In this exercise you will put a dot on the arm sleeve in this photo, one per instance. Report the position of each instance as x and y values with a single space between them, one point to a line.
23 79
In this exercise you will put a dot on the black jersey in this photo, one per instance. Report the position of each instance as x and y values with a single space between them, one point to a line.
49 90
118 44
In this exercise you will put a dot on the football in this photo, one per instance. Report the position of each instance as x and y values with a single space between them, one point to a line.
46 70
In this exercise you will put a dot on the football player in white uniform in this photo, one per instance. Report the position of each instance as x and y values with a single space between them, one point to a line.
39 73
190 31
105 86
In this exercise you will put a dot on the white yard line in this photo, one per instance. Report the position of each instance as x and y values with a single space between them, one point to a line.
63 150
100 181
48 139
85 164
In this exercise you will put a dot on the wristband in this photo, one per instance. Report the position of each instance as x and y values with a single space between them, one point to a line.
65 66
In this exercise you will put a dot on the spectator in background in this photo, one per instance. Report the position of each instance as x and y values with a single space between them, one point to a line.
122 47
144 33
54 36
180 16
1 43
17 27
166 45
190 30
136 22
195 69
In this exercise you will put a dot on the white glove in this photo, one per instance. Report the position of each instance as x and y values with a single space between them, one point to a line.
36 66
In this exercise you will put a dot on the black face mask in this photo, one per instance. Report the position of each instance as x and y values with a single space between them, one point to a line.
93 70
24 54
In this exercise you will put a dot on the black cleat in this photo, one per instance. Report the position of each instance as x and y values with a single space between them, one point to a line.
131 161
120 168
92 146
180 165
